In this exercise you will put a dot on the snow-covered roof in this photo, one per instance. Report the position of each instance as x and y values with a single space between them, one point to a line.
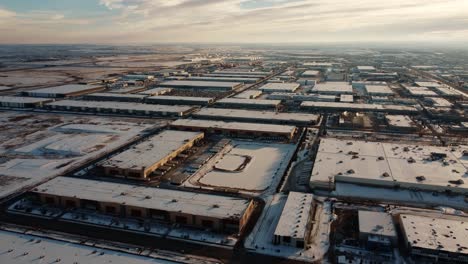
199 84
156 91
240 126
115 95
249 94
257 115
399 121
221 79
366 68
272 87
333 87
378 90
347 98
295 216
260 102
152 150
215 206
376 223
20 248
420 91
311 73
435 233
64 89
428 84
359 107
182 98
22 99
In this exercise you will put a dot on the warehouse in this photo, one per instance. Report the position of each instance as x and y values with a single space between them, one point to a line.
388 165
401 123
333 88
376 230
248 103
138 77
179 100
248 94
141 160
127 90
297 119
310 73
302 97
295 222
236 128
219 213
279 87
202 85
229 75
435 239
232 72
120 108
334 106
379 90
22 102
420 91
223 79
156 91
64 91
115 97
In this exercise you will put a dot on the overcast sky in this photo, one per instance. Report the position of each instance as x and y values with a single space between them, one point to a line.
232 21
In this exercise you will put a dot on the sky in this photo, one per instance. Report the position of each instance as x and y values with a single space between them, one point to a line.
232 21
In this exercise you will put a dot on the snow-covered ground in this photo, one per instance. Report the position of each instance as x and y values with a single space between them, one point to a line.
250 167
36 147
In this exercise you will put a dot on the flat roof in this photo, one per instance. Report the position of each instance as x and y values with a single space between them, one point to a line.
347 98
23 99
379 89
199 84
376 223
420 91
446 91
246 75
441 102
359 107
428 84
248 94
242 72
65 89
390 165
249 101
366 68
116 95
182 98
156 91
208 205
437 234
310 73
295 216
280 87
243 126
252 114
335 87
221 79
151 151
122 105
21 248
399 120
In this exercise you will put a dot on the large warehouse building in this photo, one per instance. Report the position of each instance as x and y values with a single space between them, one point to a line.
22 102
279 87
236 128
141 160
202 85
219 213
67 90
248 103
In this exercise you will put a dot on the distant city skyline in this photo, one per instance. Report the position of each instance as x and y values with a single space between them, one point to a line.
239 21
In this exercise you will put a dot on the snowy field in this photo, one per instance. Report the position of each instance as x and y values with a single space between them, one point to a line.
37 147
246 166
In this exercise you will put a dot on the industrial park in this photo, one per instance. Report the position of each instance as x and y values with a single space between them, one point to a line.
220 154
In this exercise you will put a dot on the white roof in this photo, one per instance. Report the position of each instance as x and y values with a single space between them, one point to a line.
311 73
123 105
366 68
359 107
399 121
249 101
347 98
22 99
252 114
232 72
220 207
440 102
388 165
20 248
221 79
65 89
378 90
116 95
448 91
182 98
295 216
198 84
376 223
254 127
248 94
271 87
335 87
428 84
150 151
435 233
420 91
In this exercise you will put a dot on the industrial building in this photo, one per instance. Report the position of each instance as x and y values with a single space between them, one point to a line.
435 240
401 123
270 117
310 73
138 77
295 222
390 165
333 88
22 102
120 108
156 91
222 79
248 103
63 91
202 85
377 230
334 106
115 97
279 87
179 100
218 213
379 90
302 97
252 73
128 90
236 128
249 94
146 157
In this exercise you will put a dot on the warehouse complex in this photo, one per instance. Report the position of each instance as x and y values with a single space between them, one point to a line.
22 102
148 156
202 85
62 91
